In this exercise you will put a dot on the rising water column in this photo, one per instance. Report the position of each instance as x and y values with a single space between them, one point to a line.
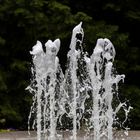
103 79
73 83
95 67
36 89
52 49
73 56
43 86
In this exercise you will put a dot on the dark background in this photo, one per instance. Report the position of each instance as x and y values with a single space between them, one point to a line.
23 22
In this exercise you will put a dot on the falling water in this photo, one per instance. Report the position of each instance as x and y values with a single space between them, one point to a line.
78 75
46 87
56 95
102 82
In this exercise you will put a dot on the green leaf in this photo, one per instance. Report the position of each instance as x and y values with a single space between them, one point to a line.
2 41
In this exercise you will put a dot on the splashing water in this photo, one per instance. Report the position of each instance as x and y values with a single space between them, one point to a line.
85 94
46 87
101 73
77 79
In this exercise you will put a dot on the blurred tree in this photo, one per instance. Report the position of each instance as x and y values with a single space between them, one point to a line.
23 22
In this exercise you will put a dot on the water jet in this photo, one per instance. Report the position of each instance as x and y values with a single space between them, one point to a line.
86 78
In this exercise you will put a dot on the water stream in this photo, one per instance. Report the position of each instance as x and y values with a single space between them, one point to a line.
85 94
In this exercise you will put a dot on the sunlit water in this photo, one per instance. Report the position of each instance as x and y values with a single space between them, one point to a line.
84 98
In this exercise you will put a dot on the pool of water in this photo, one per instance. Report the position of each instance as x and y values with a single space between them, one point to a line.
23 135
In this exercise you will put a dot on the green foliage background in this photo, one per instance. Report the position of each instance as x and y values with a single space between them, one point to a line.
22 22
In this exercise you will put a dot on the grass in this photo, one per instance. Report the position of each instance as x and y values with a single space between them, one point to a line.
5 130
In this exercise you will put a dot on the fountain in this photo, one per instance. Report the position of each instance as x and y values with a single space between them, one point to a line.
102 79
56 94
46 87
